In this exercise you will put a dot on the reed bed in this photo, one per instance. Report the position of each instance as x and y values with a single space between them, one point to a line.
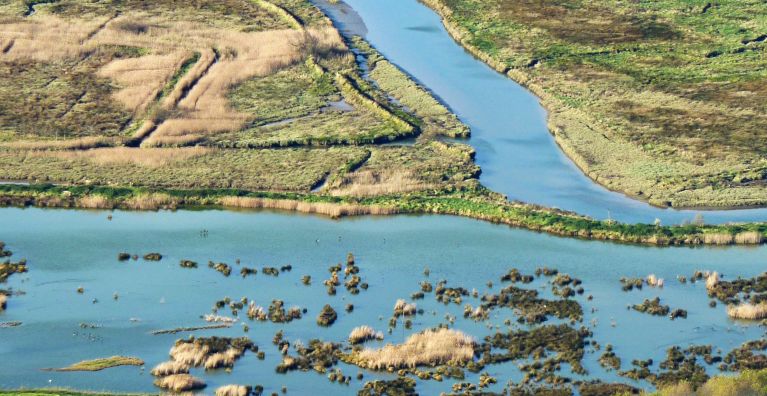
180 383
47 39
152 201
747 311
361 334
325 208
194 354
142 79
370 183
430 348
233 390
148 157
218 360
95 202
718 239
749 238
206 110
199 98
190 354
165 369
64 144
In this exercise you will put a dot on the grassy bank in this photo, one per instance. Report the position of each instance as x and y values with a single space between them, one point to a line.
653 99
102 364
469 200
64 392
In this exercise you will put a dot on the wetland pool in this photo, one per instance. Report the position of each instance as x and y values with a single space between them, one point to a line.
68 249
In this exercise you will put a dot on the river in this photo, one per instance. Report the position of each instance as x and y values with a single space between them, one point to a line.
515 150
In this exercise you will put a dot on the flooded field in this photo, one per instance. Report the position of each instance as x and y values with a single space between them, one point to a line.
78 301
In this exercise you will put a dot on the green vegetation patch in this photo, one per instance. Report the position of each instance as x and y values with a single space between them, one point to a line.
436 118
289 93
59 100
104 363
659 99
288 169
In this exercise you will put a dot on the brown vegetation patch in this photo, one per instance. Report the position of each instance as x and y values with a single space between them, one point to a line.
334 210
149 157
180 383
584 23
430 348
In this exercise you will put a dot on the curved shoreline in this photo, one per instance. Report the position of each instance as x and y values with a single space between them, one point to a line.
474 202
567 118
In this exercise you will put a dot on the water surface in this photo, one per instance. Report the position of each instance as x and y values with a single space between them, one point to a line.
67 249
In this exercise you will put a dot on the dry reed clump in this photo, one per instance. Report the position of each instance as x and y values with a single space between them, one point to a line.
233 390
749 238
654 281
151 158
95 202
718 239
151 201
431 347
199 354
169 368
180 383
403 308
190 354
225 359
361 334
369 183
329 209
712 280
3 302
747 311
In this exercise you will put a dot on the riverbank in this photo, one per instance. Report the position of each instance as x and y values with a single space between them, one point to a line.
607 146
471 200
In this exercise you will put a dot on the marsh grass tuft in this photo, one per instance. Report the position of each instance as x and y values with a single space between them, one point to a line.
361 334
233 390
180 383
170 368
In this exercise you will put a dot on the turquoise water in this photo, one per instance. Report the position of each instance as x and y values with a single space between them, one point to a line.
518 155
67 249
